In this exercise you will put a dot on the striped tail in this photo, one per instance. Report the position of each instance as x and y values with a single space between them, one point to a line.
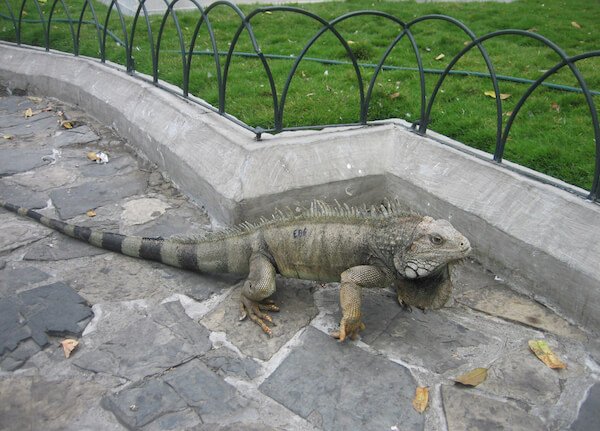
134 246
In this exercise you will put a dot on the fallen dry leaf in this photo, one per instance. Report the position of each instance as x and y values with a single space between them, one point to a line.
28 113
473 377
541 349
66 124
90 213
35 99
394 95
439 57
421 399
7 137
93 156
508 113
68 346
492 94
555 106
576 24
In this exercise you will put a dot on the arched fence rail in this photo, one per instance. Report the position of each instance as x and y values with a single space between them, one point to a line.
141 17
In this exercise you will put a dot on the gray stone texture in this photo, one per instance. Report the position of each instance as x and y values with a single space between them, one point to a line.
13 280
22 196
17 232
432 339
188 395
15 160
74 201
468 409
331 393
494 297
37 403
227 363
164 339
589 413
297 310
75 136
36 314
60 247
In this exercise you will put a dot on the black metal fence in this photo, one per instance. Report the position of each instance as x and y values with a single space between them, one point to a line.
365 91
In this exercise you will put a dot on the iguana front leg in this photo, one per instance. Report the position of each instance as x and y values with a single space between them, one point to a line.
259 285
353 280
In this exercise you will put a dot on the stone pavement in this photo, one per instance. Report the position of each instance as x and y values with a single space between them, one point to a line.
162 348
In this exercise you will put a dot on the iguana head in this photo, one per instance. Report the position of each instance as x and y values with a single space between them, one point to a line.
435 243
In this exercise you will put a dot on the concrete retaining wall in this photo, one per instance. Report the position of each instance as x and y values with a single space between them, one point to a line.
533 235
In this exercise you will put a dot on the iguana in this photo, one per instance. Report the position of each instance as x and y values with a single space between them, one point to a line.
359 247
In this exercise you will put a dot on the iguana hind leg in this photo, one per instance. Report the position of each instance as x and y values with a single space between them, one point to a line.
353 280
259 285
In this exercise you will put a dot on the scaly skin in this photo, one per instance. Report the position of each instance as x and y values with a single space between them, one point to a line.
358 247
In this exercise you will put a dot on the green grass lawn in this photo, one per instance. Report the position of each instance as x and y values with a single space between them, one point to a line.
552 134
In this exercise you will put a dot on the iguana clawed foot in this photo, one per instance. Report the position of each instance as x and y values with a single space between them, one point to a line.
254 310
348 328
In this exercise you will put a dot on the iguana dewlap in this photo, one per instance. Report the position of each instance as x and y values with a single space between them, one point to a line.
358 247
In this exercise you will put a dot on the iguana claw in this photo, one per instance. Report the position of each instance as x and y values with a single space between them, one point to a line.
252 309
348 329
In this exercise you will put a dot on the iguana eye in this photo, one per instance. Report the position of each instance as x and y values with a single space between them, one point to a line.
436 239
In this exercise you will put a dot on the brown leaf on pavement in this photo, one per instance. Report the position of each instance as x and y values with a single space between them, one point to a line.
473 377
541 349
68 346
421 399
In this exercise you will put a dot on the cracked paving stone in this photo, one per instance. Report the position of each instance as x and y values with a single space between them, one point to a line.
295 299
60 247
40 124
54 309
187 395
13 280
338 386
432 339
521 376
173 222
143 210
48 177
480 291
164 339
589 413
22 196
78 135
469 410
17 232
74 201
228 363
33 403
16 160
116 166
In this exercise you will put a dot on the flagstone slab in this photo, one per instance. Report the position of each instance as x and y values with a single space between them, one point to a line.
167 337
338 386
34 315
74 201
297 309
482 291
467 409
185 396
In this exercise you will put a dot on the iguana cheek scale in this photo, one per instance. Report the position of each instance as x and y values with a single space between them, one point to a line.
358 247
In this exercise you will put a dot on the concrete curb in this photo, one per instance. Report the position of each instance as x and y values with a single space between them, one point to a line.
532 234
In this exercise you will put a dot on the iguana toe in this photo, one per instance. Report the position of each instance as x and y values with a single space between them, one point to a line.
252 309
348 328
